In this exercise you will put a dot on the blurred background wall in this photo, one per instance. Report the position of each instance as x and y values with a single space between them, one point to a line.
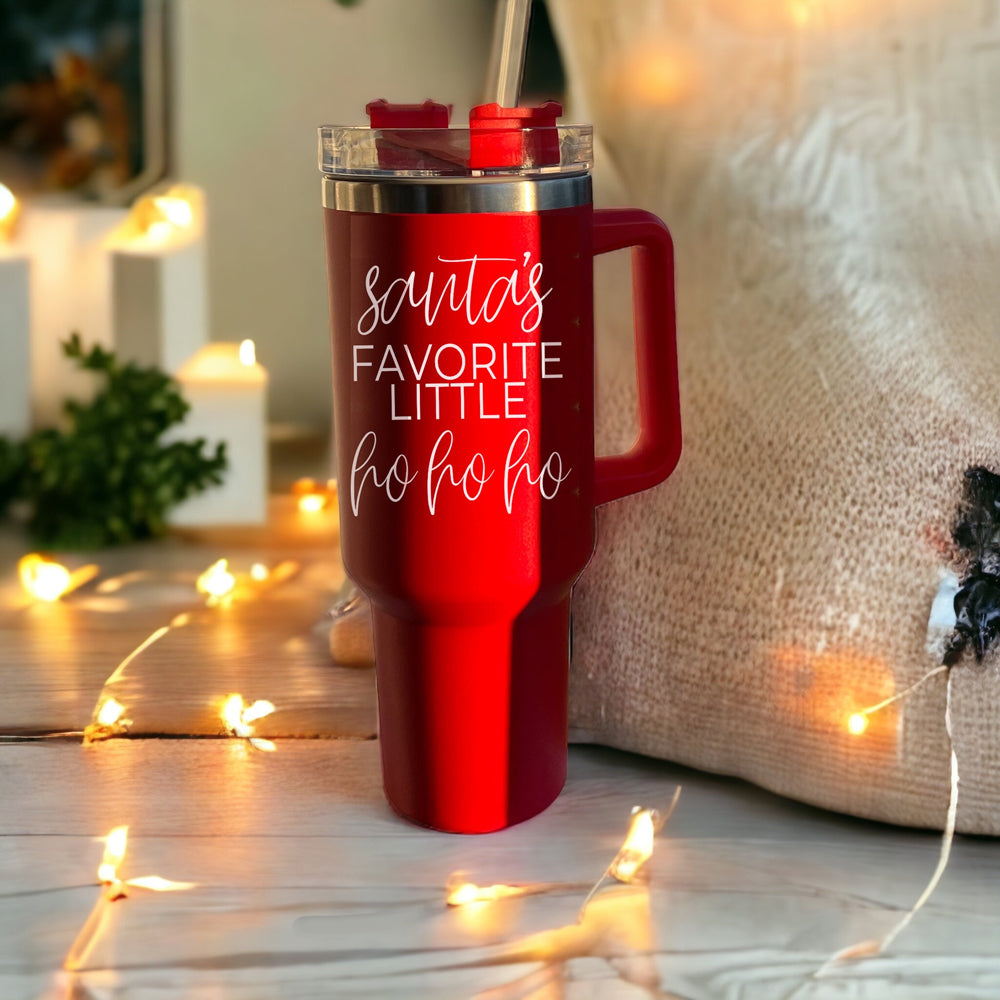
251 81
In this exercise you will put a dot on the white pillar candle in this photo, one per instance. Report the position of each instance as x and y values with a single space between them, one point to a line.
70 290
159 280
15 342
159 305
228 398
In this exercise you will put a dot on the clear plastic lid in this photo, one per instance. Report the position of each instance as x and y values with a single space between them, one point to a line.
499 141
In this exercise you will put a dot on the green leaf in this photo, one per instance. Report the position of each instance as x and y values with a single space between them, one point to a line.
107 478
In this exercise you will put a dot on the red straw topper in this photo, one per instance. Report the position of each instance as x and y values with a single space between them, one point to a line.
513 137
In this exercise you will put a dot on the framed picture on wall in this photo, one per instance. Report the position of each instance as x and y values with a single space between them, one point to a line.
82 96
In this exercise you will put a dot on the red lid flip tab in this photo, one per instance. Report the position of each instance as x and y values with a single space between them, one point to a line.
411 136
513 137
430 114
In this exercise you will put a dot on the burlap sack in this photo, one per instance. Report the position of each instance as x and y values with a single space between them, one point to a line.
830 174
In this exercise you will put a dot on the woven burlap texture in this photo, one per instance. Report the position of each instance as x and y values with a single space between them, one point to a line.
830 175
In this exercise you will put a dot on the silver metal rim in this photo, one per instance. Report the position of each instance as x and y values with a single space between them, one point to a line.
456 195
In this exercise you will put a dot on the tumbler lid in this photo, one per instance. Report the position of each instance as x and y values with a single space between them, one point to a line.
414 140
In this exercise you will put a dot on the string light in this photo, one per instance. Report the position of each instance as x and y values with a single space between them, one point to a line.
875 946
314 496
47 580
238 720
216 583
113 888
458 892
858 722
109 721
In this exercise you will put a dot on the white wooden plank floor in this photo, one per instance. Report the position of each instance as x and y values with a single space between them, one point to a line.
308 885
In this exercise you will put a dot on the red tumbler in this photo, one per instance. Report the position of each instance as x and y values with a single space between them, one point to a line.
461 295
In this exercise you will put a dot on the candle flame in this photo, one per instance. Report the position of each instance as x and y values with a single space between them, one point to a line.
248 353
216 582
857 723
259 572
110 712
165 218
238 718
42 578
9 211
159 232
7 202
638 846
177 211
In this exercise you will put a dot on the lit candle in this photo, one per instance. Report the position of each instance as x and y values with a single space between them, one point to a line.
15 323
228 403
159 280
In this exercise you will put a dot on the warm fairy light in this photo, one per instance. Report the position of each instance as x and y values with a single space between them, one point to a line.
875 946
467 892
248 353
46 580
638 846
113 889
114 853
232 714
109 721
110 712
156 884
9 210
857 723
312 502
313 496
42 578
177 211
258 572
216 582
238 718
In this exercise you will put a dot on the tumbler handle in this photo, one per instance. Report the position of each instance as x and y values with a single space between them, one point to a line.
658 446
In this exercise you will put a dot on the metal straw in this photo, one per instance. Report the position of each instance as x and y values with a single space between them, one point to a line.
510 38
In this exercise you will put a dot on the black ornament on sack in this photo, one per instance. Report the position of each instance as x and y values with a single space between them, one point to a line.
977 535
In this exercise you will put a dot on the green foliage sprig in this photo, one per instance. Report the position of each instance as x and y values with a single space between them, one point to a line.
107 478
